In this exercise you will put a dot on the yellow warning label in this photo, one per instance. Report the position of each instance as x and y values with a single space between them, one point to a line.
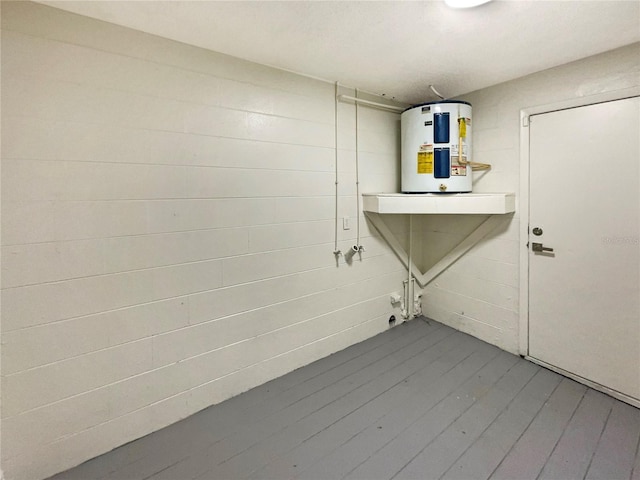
462 122
425 162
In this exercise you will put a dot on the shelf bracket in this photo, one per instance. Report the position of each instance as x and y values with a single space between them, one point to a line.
449 259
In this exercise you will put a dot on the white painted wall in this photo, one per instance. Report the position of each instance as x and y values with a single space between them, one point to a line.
479 294
167 232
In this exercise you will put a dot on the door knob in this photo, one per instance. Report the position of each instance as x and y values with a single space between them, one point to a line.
538 247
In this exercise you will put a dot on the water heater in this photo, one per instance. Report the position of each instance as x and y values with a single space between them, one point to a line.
433 135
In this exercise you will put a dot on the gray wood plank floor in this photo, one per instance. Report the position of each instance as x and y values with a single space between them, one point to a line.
419 401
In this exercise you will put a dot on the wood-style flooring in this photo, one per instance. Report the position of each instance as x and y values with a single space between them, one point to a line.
419 401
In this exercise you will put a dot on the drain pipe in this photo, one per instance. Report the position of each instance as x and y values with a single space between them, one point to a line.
408 303
350 253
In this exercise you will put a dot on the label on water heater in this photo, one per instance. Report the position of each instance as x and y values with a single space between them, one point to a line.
425 162
458 170
454 149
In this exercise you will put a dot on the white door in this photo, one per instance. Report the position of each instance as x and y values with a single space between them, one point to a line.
584 297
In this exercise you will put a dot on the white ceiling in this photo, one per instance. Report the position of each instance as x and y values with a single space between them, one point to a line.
395 48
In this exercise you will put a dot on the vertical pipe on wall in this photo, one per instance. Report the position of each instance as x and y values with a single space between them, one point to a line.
357 183
336 251
410 275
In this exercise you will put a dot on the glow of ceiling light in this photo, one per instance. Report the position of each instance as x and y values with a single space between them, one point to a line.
465 3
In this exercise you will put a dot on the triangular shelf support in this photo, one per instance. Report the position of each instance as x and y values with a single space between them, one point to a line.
374 205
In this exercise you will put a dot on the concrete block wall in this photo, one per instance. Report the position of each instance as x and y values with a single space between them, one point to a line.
168 232
479 294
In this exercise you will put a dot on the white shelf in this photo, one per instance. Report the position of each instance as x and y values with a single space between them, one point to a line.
438 203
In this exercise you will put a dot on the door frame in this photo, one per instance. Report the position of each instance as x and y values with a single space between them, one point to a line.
523 204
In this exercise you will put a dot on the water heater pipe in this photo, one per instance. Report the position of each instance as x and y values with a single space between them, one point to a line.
433 89
370 103
475 166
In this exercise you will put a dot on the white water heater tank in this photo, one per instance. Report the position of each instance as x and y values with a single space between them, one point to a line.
433 134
